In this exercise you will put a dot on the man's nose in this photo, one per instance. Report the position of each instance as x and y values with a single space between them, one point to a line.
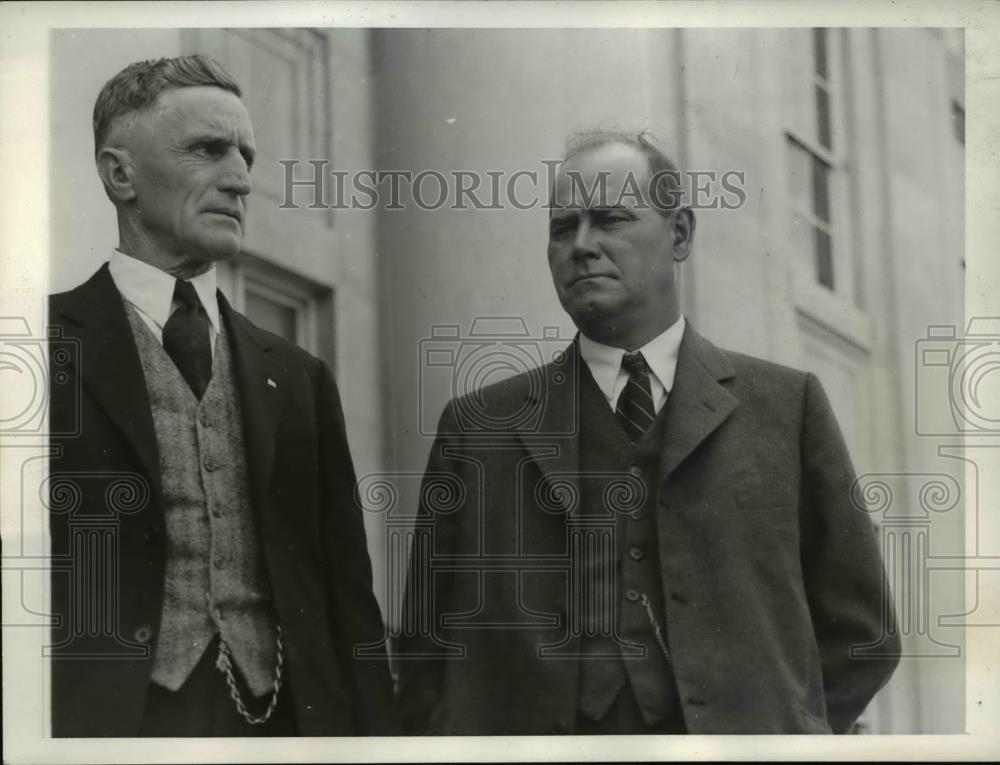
583 242
236 178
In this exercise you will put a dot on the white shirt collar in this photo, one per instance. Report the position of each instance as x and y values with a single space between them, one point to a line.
152 291
661 353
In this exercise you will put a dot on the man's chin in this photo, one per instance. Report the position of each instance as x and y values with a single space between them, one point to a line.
594 317
218 250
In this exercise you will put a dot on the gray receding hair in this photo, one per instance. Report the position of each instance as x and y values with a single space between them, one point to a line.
136 88
664 190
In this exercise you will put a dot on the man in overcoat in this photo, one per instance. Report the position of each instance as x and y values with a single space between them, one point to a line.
648 534
210 575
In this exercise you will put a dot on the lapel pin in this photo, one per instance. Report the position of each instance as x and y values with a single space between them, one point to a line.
272 383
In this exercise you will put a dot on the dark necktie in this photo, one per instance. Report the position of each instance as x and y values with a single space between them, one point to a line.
186 338
635 408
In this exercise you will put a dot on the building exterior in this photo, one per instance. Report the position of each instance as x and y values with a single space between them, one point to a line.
848 246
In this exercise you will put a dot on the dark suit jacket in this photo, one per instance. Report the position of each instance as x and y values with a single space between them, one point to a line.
770 574
105 485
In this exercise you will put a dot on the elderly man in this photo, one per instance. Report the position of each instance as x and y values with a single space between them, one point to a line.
650 534
234 584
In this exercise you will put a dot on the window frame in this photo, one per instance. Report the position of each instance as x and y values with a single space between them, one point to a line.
840 307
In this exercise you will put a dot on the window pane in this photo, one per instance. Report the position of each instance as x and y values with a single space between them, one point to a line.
799 162
823 117
272 316
802 240
821 189
819 50
824 258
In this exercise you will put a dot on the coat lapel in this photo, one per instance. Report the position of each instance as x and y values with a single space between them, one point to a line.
109 365
551 436
697 404
261 381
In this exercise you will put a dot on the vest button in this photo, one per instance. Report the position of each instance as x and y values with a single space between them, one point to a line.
632 596
216 511
143 633
635 472
635 553
209 464
205 420
219 562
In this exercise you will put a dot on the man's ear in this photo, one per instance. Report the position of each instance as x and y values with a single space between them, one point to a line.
682 230
117 173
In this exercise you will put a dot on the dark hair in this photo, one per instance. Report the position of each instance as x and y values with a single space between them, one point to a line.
137 86
665 182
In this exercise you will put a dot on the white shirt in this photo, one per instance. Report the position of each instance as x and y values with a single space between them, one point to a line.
660 353
151 292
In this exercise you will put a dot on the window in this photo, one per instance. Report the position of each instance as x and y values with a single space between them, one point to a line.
277 312
811 214
282 302
816 149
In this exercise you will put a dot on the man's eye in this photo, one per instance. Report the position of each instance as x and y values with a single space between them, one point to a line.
612 218
561 229
212 150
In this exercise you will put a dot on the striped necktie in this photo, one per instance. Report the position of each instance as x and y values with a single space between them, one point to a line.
635 408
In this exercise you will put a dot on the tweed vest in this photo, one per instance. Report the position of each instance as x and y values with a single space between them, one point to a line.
622 645
212 548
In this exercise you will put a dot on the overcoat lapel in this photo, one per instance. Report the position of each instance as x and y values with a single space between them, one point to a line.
697 404
109 365
261 382
552 436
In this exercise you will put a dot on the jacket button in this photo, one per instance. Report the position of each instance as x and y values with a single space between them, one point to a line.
635 471
635 553
632 596
143 633
561 727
